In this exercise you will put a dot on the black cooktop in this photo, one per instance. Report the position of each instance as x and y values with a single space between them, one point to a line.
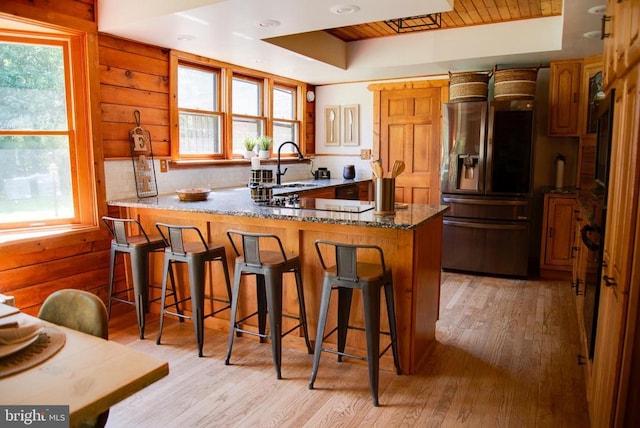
337 205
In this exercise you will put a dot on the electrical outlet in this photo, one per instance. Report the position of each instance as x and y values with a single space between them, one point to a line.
365 154
164 165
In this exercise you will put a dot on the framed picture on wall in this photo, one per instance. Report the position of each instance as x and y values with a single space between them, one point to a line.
351 123
332 125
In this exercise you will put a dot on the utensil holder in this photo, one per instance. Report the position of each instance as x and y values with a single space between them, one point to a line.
385 196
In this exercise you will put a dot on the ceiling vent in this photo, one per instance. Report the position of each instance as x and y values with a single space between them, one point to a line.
432 21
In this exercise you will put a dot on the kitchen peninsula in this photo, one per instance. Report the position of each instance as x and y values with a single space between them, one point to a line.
411 241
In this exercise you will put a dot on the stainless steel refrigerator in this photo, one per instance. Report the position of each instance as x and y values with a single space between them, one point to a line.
486 179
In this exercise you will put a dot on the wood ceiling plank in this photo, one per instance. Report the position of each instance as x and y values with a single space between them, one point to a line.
514 9
503 9
492 8
473 12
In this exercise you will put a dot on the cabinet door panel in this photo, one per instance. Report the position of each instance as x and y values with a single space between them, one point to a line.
559 232
564 97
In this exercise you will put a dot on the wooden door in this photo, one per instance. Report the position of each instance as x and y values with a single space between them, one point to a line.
409 121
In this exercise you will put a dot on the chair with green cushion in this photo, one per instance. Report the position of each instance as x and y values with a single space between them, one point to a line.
82 311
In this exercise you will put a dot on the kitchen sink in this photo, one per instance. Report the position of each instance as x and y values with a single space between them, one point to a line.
294 185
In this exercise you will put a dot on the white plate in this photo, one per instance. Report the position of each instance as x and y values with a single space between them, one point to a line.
15 347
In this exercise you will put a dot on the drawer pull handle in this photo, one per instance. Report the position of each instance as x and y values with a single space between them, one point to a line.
609 281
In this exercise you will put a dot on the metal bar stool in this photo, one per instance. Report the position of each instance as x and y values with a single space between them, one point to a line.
269 267
195 254
346 275
138 245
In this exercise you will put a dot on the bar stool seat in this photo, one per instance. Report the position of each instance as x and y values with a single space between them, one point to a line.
138 245
268 266
347 274
195 254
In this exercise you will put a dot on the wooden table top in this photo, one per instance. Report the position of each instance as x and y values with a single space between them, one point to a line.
89 374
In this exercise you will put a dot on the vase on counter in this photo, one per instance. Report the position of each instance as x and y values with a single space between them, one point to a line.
349 172
248 154
264 154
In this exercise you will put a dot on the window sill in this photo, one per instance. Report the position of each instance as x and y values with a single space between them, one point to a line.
185 164
26 235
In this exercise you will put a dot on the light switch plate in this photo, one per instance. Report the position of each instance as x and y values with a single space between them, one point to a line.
164 165
365 154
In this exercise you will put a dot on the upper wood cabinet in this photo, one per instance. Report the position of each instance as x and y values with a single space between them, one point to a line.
622 38
564 98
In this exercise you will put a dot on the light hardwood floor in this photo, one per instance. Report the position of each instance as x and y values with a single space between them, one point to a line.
505 356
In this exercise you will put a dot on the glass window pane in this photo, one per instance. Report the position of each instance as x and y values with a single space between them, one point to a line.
285 131
35 179
197 89
243 128
32 87
284 103
246 97
199 134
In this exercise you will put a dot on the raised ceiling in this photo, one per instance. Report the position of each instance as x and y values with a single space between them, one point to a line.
465 13
304 40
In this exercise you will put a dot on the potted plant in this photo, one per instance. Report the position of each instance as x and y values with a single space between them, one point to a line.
264 143
249 147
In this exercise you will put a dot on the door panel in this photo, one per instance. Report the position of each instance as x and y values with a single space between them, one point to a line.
409 131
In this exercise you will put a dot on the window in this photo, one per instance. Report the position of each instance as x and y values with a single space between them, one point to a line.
44 145
216 107
246 104
200 118
285 125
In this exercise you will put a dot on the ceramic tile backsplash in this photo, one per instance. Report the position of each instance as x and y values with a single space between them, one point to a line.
120 181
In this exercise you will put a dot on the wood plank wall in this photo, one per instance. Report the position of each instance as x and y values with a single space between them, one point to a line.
133 76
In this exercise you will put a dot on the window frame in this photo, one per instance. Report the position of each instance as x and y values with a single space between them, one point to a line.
228 72
261 117
219 112
295 121
79 131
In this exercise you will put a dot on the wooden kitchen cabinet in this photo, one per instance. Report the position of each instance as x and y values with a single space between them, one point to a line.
558 226
564 98
586 165
622 38
614 360
323 193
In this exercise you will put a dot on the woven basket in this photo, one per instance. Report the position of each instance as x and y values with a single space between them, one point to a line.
468 86
515 84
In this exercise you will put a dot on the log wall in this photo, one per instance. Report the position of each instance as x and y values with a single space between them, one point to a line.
133 76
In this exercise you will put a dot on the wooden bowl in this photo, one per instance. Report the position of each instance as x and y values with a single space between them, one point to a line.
192 195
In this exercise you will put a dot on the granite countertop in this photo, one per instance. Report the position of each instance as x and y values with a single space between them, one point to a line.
237 201
563 190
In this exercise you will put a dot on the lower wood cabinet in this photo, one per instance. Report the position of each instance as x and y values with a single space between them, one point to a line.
558 228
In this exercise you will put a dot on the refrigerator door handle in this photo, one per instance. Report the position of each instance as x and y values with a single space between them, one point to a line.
474 201
492 226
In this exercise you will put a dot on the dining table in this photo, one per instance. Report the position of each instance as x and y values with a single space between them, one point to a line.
87 373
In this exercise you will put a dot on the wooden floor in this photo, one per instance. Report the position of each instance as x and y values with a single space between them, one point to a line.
505 356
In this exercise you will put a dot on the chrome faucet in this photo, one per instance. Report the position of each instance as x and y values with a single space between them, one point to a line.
278 172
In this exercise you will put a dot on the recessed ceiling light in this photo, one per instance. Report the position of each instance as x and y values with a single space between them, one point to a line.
592 34
597 10
269 23
343 9
186 37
